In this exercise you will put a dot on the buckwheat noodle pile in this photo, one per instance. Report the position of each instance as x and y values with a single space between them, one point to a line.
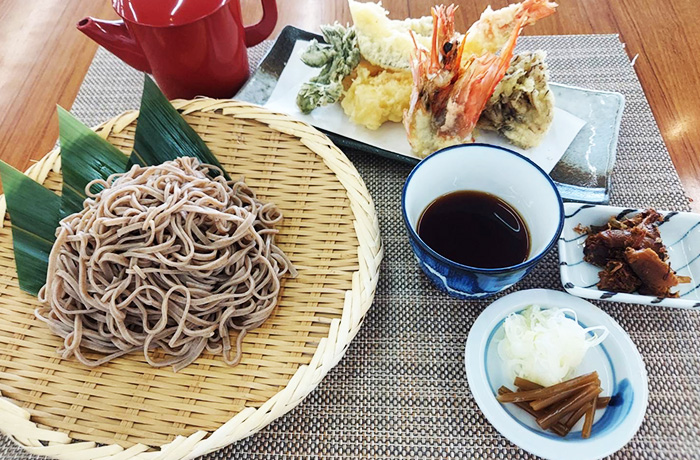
163 258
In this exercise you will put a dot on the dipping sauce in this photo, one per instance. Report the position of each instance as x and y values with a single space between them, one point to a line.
475 229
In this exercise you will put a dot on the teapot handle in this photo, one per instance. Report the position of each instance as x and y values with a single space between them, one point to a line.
258 32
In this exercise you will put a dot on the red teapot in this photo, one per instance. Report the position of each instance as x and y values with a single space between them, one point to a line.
191 47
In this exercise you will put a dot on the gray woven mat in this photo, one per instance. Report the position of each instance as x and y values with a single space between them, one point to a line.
401 390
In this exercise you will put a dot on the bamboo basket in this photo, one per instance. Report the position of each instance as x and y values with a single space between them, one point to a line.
127 409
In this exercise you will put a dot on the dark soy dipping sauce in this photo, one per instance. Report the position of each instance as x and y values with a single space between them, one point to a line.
475 229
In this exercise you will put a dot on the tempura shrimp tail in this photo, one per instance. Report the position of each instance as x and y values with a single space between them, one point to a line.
451 84
493 29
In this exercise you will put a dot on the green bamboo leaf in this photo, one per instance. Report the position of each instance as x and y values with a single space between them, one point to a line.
34 212
163 135
85 156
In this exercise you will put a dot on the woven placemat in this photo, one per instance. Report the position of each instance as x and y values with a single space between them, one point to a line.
401 390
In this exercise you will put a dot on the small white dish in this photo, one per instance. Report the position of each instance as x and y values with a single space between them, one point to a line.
617 360
680 233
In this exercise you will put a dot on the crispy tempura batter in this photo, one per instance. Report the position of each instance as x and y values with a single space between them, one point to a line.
522 106
451 89
377 96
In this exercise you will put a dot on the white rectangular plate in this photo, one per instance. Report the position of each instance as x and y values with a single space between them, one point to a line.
584 172
392 136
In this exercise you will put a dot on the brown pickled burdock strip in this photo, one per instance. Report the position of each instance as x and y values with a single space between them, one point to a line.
588 422
573 419
558 428
546 402
542 393
524 384
568 406
559 412
524 406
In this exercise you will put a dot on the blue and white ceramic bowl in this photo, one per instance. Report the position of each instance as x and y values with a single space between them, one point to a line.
500 172
617 361
680 232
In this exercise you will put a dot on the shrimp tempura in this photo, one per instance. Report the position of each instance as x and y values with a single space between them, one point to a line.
451 84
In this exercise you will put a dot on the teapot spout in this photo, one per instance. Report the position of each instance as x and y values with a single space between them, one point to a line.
115 37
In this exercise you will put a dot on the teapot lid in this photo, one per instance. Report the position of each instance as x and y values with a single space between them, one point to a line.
164 13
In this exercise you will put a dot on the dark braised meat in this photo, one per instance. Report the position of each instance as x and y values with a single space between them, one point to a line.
632 254
656 275
611 244
618 277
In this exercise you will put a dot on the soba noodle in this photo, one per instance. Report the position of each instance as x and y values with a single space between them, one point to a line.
163 258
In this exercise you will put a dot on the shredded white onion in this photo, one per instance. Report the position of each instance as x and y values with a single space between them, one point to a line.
545 346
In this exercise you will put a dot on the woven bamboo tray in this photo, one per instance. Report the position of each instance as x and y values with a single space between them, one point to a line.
127 409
